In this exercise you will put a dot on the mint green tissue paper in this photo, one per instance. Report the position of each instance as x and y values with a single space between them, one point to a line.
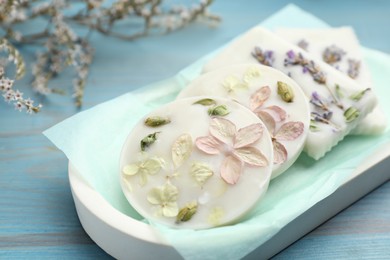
93 139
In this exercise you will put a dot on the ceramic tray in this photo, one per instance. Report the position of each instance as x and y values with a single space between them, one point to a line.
122 236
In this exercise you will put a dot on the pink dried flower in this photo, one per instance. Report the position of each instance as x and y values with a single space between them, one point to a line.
236 145
272 115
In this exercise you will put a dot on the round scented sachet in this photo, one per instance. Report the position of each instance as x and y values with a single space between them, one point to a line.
271 95
196 163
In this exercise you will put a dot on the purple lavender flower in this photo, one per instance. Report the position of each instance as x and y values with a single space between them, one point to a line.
291 54
333 54
303 44
317 101
264 57
323 118
315 95
319 76
317 117
353 68
327 115
269 56
307 66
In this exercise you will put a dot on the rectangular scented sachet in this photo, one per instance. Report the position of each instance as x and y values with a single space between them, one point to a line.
338 103
340 48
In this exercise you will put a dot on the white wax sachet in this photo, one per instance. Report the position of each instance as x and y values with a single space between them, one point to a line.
340 48
196 163
337 102
271 95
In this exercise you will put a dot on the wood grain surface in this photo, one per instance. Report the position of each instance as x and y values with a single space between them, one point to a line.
37 214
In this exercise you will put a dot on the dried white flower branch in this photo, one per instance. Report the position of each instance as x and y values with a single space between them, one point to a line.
62 47
10 95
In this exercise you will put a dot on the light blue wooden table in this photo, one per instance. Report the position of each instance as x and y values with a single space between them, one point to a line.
37 215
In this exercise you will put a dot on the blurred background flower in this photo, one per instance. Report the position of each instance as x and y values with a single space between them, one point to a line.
60 30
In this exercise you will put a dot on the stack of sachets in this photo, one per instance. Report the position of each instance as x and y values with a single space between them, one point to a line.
206 159
340 48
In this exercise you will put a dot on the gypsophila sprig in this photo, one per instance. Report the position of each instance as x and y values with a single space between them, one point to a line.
61 47
16 97
10 95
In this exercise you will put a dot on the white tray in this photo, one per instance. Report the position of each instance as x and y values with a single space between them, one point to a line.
123 237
